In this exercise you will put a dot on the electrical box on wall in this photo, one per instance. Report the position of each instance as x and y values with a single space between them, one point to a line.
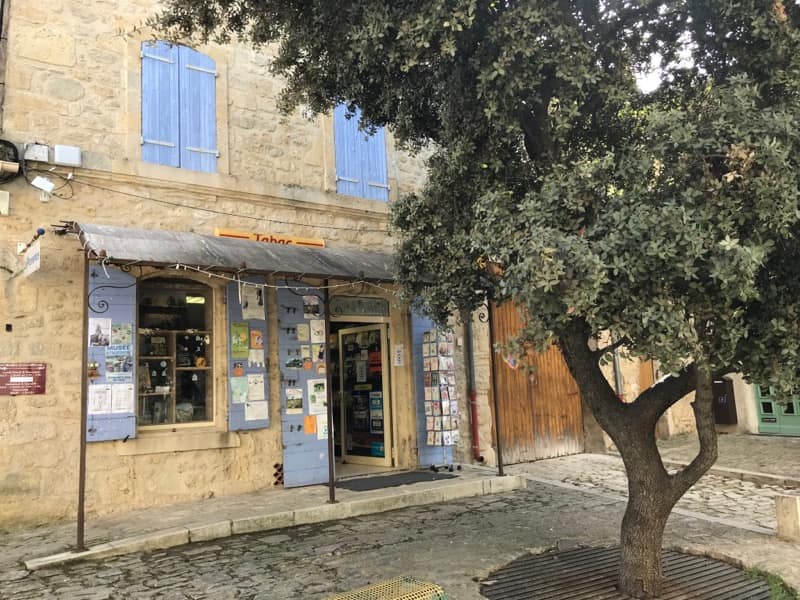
67 156
37 152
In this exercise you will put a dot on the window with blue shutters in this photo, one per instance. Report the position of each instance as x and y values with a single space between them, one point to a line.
179 120
360 158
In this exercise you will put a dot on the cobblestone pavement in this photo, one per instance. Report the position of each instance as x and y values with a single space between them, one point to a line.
454 544
738 501
759 453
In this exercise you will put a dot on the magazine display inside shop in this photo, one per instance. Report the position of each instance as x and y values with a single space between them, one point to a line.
441 397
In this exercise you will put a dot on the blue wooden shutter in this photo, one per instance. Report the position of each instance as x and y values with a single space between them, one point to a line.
198 111
238 411
112 299
349 152
160 133
376 174
305 457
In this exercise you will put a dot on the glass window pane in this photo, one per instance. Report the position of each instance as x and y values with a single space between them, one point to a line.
766 408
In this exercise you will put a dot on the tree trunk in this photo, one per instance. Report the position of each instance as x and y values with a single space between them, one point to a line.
652 492
640 573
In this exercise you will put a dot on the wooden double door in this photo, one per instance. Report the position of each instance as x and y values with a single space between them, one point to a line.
540 415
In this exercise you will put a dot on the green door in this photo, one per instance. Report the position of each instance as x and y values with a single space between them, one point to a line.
775 415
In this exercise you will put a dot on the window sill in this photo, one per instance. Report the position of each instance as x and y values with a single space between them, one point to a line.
179 441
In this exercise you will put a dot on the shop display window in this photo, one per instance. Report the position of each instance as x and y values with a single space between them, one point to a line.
175 353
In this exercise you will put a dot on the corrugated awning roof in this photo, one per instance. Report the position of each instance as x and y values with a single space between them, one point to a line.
122 245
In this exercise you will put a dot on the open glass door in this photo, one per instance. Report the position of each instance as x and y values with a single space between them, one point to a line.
364 392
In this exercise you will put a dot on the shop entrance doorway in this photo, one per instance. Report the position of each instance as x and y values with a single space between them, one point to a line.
362 401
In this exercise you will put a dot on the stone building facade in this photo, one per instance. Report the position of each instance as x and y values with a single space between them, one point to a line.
74 76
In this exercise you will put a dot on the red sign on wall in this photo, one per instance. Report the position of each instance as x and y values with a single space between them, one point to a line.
18 379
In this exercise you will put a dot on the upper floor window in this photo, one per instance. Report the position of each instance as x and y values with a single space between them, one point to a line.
360 158
179 115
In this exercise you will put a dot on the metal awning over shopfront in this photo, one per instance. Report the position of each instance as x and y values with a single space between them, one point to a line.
126 246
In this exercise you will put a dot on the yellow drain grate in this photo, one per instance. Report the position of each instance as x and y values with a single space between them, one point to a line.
397 588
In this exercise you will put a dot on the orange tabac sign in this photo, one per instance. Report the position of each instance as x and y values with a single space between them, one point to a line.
269 238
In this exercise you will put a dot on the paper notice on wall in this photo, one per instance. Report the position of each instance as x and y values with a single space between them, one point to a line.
252 305
317 331
303 332
99 332
239 390
255 358
310 425
122 398
294 401
255 387
361 371
256 411
322 427
240 341
317 396
399 355
99 401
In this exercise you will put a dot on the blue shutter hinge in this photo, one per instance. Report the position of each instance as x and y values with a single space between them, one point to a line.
378 185
143 141
347 179
203 70
202 151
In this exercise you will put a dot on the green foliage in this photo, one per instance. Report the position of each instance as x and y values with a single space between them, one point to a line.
778 589
669 217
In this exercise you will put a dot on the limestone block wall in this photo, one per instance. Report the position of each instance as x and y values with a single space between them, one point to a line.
74 77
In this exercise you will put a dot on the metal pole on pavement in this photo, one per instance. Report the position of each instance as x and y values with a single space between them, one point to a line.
84 394
497 435
329 387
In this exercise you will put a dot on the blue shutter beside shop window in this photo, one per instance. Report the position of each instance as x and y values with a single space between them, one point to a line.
112 298
238 411
198 118
160 97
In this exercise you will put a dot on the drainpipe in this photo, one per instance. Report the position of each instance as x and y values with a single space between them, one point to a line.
469 368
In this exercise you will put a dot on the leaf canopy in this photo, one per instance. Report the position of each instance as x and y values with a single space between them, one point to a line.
669 217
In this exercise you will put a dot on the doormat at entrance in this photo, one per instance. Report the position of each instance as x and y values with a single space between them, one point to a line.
365 484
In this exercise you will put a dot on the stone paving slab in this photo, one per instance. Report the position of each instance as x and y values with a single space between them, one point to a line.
243 514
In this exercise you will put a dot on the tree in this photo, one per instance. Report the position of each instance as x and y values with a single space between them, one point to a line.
668 218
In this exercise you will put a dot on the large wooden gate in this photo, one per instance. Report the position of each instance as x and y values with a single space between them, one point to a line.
540 416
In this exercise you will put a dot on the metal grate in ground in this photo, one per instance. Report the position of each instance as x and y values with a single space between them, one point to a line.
591 574
397 588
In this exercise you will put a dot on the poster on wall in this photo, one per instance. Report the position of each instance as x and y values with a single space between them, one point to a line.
252 305
99 401
255 387
99 332
121 333
240 341
317 396
294 401
256 339
238 390
322 427
311 307
256 411
119 363
317 331
122 398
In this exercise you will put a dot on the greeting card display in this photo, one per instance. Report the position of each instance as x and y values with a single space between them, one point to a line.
441 398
